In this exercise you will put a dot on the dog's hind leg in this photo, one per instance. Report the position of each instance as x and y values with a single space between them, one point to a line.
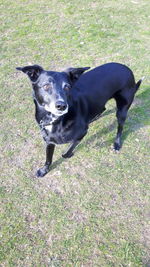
121 117
123 104
49 155
124 100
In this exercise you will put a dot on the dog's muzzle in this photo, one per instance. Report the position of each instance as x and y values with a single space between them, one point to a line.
59 109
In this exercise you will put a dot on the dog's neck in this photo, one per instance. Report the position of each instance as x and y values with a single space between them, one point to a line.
48 119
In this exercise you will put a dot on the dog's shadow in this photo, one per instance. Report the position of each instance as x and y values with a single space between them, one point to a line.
137 118
138 115
56 163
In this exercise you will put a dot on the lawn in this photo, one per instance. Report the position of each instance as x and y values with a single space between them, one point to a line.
91 209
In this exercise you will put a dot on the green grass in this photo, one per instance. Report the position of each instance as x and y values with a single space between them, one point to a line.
92 209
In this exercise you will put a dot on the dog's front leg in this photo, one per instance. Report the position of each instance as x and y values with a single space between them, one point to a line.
69 152
49 155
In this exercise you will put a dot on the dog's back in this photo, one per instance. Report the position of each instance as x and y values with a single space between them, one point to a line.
105 79
97 86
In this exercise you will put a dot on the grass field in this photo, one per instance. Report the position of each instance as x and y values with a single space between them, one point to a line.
93 209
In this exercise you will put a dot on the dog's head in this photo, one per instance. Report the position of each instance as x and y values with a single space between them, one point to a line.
51 88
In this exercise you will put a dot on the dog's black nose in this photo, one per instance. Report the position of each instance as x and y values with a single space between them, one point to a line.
60 105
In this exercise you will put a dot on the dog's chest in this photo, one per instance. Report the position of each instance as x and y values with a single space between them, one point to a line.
58 133
49 128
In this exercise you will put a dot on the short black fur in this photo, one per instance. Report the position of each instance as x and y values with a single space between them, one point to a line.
67 102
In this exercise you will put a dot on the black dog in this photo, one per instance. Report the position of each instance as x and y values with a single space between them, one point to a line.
66 104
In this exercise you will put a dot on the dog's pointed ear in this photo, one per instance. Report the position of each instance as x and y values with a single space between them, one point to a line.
75 73
33 71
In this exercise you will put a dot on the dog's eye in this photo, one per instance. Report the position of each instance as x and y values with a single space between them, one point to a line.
47 87
67 87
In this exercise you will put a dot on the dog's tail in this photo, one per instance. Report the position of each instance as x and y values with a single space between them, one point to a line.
139 83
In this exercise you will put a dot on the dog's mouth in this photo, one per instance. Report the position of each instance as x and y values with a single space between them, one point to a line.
55 111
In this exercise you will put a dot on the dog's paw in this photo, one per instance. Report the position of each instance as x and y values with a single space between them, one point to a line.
42 171
67 155
117 146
